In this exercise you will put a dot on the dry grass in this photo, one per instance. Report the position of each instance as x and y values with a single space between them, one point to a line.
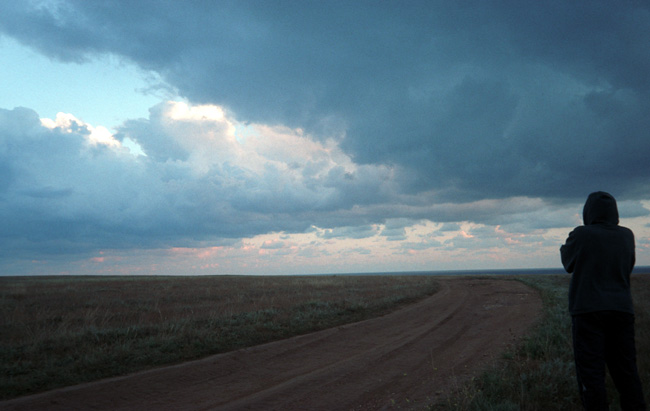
58 331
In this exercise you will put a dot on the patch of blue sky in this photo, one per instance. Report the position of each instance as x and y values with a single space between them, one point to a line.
243 131
103 91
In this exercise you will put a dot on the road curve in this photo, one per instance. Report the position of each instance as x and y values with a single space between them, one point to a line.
407 358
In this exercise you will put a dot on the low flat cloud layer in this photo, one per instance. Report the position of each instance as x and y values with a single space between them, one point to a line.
334 120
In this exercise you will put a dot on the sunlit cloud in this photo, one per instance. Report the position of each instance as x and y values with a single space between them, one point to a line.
182 111
68 123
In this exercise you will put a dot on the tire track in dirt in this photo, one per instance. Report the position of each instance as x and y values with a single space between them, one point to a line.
408 358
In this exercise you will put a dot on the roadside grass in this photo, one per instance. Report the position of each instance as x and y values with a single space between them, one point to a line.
539 374
60 331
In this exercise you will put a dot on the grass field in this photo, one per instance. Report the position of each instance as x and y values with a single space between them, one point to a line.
540 373
59 331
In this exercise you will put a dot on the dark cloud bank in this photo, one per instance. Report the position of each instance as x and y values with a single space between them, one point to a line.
484 100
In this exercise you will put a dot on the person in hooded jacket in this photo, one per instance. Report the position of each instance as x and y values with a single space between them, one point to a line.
600 256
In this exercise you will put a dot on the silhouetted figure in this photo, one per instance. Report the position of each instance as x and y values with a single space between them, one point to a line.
600 255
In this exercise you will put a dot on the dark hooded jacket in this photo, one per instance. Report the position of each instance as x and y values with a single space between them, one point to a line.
600 255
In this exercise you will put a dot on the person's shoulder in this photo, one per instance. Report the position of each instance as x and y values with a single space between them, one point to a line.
578 233
580 229
620 230
626 230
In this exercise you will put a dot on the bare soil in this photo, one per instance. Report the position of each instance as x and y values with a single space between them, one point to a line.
409 359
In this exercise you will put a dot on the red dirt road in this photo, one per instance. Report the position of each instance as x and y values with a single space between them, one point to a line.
405 359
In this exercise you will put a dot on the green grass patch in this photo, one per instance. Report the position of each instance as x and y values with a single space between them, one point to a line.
540 373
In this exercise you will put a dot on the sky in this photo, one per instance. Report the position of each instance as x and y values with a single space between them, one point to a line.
300 137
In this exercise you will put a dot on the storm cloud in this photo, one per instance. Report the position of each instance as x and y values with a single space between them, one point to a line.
333 118
483 99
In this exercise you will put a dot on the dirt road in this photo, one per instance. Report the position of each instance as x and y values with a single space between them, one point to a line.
405 359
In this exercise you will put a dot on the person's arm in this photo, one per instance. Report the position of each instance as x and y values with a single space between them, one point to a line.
633 251
568 252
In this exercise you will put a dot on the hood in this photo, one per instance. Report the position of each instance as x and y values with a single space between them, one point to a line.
600 208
